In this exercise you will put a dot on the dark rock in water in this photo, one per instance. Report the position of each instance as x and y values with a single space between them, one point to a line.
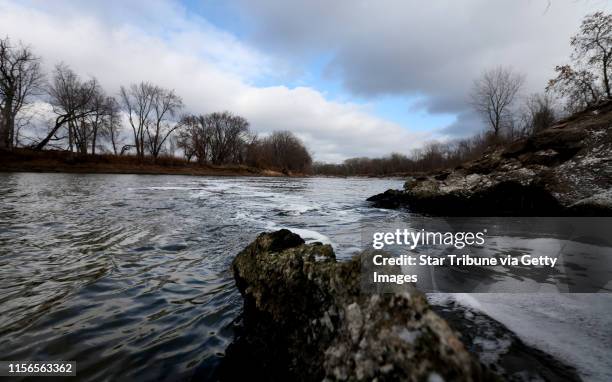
501 350
305 319
565 170
390 199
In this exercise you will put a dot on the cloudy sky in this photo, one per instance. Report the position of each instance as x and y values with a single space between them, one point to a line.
350 77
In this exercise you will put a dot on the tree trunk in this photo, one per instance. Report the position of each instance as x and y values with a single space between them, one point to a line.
70 136
44 142
59 122
7 126
93 141
606 82
112 135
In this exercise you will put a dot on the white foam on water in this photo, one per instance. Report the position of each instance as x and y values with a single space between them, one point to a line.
575 328
217 187
163 188
311 236
297 209
308 235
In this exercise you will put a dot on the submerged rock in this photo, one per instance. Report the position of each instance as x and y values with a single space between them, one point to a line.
501 350
563 170
305 319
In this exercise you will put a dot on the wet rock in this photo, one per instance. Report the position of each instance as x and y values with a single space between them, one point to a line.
563 170
305 319
501 350
390 199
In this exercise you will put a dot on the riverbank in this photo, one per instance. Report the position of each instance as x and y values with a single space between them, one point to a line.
55 161
565 170
305 317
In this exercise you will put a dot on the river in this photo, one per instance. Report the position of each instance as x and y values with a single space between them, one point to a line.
129 274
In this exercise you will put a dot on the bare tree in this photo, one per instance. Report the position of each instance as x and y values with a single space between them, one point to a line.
72 100
150 111
20 80
228 134
195 138
578 87
111 125
85 130
95 121
493 95
282 150
218 138
186 137
434 156
137 102
593 45
166 104
588 79
538 113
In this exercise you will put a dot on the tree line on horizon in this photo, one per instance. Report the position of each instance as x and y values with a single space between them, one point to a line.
584 83
86 120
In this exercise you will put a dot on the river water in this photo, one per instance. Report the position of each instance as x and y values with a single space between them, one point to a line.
129 274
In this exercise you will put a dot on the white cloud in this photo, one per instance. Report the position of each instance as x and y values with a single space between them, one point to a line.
158 41
428 49
411 46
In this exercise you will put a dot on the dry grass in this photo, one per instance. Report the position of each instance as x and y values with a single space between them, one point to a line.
25 160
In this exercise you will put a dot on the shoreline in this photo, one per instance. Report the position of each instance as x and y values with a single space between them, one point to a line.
144 170
557 171
23 160
60 161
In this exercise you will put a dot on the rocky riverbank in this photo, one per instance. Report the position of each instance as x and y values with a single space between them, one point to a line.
305 318
562 170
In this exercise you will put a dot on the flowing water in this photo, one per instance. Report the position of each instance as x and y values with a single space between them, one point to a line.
129 274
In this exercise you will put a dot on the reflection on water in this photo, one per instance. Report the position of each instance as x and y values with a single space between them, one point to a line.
129 275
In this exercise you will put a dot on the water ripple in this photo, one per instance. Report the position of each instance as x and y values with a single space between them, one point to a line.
129 274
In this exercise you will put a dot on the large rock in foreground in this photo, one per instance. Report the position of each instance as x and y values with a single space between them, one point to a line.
563 170
305 319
